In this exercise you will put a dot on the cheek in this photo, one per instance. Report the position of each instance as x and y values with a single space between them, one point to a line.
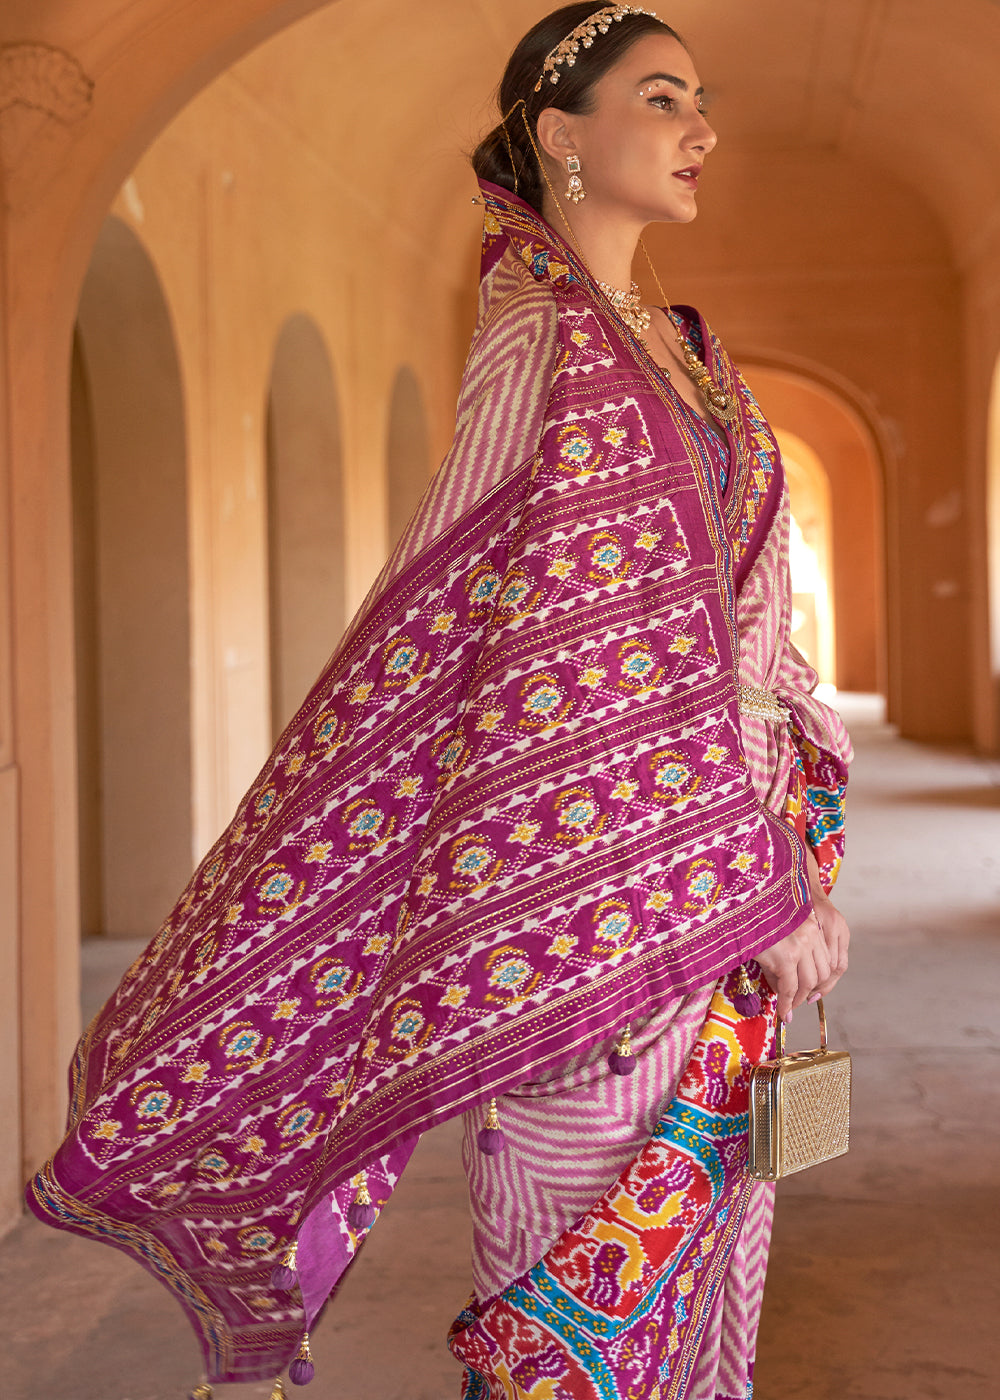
644 159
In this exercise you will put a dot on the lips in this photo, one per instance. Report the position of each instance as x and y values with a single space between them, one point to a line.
689 175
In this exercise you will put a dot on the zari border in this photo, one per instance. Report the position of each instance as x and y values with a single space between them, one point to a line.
70 1214
706 1297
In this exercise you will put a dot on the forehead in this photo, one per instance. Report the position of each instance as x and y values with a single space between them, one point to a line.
655 53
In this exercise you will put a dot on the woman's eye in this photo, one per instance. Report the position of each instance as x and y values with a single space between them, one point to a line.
664 101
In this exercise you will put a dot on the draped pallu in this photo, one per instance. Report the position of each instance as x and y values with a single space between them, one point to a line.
513 814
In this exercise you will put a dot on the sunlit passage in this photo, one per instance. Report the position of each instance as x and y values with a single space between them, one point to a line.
810 555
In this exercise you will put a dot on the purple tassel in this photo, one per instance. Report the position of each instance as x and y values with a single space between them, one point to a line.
490 1138
745 998
361 1213
747 1005
621 1060
283 1275
361 1216
302 1370
491 1141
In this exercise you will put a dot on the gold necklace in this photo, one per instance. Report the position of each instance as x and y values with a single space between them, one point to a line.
720 404
629 307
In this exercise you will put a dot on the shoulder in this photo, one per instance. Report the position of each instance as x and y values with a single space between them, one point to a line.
515 337
515 302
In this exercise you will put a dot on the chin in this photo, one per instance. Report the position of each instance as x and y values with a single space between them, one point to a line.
674 215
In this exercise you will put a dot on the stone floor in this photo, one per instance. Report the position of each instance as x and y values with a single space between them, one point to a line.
883 1282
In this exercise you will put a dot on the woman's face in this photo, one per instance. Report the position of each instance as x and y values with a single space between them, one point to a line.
643 146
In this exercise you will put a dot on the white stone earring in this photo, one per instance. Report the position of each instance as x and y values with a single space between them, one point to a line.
576 192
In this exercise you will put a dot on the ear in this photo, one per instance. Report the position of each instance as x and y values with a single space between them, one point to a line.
556 133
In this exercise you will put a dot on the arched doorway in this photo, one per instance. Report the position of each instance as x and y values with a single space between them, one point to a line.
407 451
832 449
132 629
305 515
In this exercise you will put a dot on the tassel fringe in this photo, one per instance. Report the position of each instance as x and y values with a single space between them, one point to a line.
302 1370
361 1212
490 1138
746 998
283 1275
621 1060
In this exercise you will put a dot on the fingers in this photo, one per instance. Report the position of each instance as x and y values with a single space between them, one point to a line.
837 937
803 965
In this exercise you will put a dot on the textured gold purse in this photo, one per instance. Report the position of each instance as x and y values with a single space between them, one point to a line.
800 1108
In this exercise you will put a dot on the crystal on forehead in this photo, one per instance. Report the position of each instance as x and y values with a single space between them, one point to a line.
584 34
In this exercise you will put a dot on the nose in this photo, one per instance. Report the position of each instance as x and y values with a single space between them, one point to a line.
702 137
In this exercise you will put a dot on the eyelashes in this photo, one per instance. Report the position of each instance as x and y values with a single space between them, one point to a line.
666 103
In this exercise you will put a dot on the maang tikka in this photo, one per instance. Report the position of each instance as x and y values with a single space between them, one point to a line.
575 192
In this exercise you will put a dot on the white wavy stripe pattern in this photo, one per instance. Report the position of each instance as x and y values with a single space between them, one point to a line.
569 1135
730 1338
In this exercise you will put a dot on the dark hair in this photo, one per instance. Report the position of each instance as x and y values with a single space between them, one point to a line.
574 92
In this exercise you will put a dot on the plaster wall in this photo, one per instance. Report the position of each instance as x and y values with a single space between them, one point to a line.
982 354
248 225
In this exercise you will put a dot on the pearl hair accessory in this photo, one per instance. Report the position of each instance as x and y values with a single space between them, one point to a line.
583 36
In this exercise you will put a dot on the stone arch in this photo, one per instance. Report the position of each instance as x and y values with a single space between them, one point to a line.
305 512
408 460
826 420
132 622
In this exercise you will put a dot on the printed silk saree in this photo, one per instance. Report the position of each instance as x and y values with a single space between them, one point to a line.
514 814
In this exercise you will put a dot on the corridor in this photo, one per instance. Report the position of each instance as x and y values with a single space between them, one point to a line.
883 1277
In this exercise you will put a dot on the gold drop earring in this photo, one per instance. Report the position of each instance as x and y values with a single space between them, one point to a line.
575 192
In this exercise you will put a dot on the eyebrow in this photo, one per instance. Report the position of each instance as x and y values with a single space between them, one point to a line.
670 78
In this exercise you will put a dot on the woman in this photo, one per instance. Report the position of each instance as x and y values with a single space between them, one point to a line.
558 798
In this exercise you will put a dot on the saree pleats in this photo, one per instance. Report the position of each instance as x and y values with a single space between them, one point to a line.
619 1307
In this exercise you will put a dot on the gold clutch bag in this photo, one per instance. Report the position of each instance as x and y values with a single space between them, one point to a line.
800 1108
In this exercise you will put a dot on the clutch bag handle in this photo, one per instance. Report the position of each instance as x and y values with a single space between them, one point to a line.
805 1054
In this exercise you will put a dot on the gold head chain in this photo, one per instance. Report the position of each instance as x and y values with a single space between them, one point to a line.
583 36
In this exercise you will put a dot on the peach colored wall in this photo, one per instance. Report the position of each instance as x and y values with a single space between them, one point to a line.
982 351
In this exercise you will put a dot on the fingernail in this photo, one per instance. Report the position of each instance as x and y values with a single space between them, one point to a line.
813 996
788 1018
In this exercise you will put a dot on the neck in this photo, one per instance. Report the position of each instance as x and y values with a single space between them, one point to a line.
606 245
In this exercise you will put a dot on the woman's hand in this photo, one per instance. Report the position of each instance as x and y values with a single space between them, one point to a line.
808 963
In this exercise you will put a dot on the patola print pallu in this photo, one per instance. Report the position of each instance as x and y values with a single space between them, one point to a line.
514 815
